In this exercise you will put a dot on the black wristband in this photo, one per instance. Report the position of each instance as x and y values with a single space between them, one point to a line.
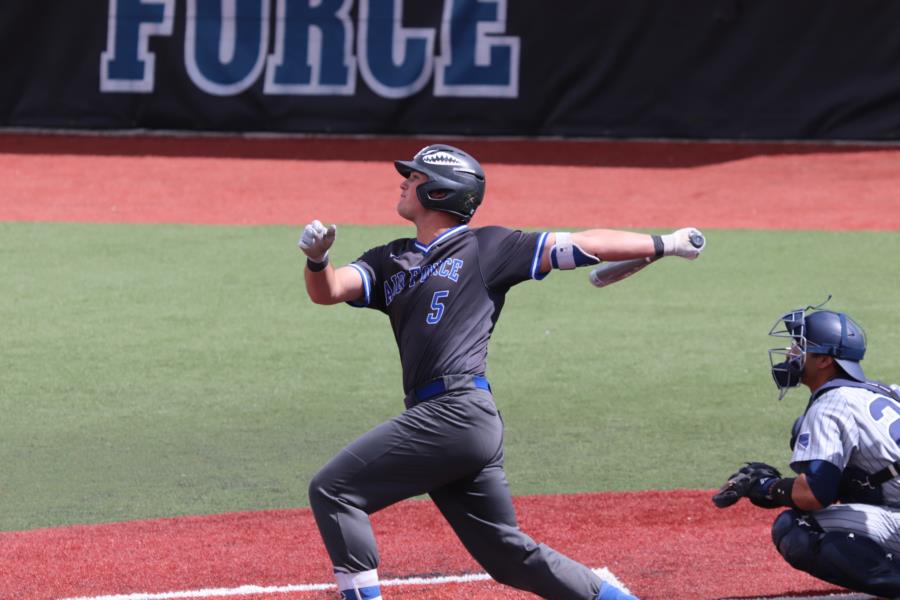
658 246
782 492
314 266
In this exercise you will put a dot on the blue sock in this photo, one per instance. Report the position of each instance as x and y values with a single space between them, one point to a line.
366 593
610 592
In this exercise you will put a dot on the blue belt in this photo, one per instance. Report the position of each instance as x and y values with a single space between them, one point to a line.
450 383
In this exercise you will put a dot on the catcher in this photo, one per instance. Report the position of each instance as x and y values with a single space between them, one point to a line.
843 519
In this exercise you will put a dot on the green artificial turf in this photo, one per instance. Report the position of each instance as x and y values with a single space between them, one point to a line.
161 370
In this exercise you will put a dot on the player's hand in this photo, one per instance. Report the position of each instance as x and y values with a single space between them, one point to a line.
316 240
753 481
687 243
763 477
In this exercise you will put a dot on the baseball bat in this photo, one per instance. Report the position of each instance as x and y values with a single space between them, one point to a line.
611 272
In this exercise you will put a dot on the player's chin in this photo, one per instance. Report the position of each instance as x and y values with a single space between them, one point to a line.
404 211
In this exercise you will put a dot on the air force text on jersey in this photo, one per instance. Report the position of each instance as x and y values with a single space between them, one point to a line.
448 268
227 47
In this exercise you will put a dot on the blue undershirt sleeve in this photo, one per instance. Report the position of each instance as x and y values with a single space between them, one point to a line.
824 480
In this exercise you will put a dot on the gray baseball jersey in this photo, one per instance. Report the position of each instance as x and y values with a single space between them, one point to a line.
443 299
854 427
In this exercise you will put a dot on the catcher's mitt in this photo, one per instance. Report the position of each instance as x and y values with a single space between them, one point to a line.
741 483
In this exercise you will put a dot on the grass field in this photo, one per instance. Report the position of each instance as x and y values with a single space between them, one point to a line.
156 370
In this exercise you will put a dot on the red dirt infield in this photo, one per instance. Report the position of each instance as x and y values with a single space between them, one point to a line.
635 184
663 545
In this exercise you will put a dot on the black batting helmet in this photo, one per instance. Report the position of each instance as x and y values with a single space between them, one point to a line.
455 179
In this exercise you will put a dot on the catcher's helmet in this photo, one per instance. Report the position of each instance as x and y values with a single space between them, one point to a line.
820 332
836 334
455 180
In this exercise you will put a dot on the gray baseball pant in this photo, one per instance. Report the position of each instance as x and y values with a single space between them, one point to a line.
450 447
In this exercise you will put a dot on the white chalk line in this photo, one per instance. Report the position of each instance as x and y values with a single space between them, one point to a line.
246 590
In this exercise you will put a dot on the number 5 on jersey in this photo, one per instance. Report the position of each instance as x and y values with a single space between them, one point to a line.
437 307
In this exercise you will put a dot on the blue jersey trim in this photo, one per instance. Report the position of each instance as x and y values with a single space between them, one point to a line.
439 239
536 261
367 287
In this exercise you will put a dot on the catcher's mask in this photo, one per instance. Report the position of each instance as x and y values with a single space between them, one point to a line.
820 332
455 180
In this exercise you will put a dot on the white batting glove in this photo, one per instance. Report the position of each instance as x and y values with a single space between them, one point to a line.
316 240
687 243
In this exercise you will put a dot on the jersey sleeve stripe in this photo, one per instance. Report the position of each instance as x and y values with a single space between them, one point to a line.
536 261
367 287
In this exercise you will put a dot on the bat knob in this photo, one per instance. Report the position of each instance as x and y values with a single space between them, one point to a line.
697 239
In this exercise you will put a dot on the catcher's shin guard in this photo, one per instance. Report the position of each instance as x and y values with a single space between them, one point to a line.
846 559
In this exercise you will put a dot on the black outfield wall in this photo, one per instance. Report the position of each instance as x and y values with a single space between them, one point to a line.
764 69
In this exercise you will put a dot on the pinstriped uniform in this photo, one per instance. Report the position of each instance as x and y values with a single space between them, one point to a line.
854 427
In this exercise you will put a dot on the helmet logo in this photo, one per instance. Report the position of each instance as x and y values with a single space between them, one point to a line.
442 158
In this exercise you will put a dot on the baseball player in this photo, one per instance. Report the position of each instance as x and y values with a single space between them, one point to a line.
442 291
843 519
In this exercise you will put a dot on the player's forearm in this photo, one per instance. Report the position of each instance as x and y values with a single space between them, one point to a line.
612 245
332 286
803 496
322 286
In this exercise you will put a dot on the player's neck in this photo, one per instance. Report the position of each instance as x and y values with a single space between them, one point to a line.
432 225
818 379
